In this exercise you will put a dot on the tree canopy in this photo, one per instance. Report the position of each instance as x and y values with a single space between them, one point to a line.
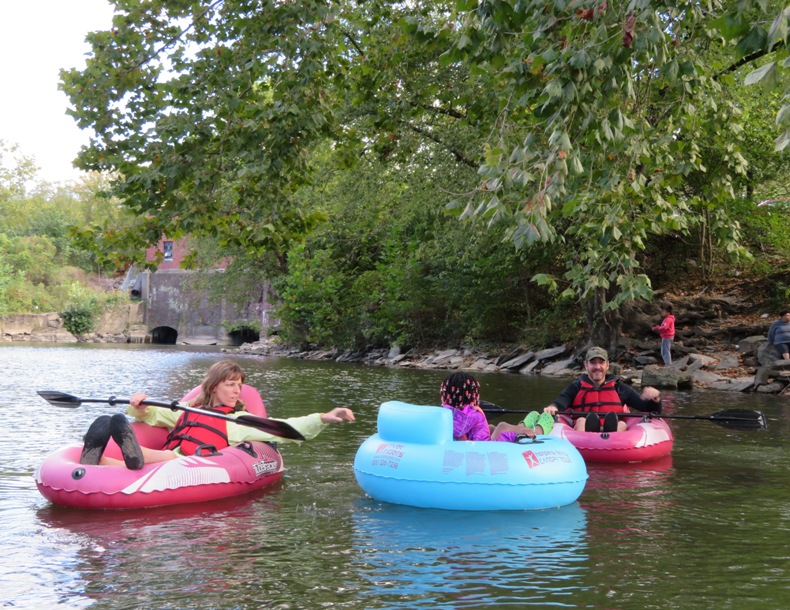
591 124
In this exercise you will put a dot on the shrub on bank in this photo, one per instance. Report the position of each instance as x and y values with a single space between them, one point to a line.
84 308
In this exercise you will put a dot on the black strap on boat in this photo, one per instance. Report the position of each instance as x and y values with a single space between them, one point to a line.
523 439
206 450
246 447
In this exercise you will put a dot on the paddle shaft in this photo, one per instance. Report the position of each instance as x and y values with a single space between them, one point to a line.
271 426
174 405
633 414
755 417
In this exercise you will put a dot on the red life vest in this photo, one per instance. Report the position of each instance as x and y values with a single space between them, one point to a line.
604 399
194 429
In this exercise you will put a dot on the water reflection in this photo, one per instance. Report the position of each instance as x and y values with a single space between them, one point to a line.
124 558
628 499
424 558
637 475
708 528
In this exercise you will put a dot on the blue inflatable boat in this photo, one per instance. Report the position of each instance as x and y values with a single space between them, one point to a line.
413 460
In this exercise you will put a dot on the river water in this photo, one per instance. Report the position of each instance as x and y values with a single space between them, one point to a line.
708 527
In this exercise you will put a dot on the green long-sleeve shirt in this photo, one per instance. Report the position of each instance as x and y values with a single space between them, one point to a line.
309 425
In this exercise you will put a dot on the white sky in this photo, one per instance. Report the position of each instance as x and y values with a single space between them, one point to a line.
37 39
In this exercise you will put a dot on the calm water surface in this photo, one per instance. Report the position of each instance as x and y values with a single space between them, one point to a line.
707 528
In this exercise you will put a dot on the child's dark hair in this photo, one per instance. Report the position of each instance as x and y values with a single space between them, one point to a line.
667 307
459 390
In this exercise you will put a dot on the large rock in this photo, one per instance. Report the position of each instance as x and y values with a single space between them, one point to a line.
518 361
529 368
705 378
665 377
750 345
770 388
56 335
444 356
776 368
558 368
767 353
549 353
739 384
705 361
729 361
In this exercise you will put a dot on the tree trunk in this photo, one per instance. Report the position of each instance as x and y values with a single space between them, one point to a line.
605 325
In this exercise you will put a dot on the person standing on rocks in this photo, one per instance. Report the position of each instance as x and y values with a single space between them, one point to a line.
779 334
666 330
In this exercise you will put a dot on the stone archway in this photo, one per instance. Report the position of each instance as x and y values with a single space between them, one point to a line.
245 334
164 335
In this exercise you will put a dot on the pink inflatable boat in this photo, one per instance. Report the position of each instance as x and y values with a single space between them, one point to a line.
647 438
239 469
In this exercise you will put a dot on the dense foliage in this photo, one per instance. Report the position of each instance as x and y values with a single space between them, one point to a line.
588 121
85 306
320 145
41 268
393 268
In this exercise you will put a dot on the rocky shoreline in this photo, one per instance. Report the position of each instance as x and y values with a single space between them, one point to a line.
720 344
708 354
748 368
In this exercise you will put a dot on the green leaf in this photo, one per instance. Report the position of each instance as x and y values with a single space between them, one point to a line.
731 26
671 70
766 74
544 279
782 141
778 31
554 88
755 40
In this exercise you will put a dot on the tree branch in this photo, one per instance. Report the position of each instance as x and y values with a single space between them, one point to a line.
458 154
749 58
445 111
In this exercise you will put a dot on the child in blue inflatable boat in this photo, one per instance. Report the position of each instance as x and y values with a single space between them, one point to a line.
460 392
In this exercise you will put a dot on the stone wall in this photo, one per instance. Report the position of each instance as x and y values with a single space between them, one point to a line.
175 300
121 325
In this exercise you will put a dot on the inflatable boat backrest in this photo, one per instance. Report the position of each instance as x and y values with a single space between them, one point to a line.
253 403
405 423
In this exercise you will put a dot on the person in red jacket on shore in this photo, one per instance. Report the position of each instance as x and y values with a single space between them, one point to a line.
666 330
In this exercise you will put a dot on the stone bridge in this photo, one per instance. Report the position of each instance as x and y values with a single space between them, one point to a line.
178 311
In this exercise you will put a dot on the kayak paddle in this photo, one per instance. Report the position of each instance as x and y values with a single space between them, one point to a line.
271 426
735 419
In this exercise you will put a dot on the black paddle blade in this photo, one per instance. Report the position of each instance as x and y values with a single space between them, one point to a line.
740 419
59 399
490 407
272 426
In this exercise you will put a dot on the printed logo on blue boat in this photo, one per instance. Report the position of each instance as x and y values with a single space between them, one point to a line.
388 455
476 462
265 467
537 458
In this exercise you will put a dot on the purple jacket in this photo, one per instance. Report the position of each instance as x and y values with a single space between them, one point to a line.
469 422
